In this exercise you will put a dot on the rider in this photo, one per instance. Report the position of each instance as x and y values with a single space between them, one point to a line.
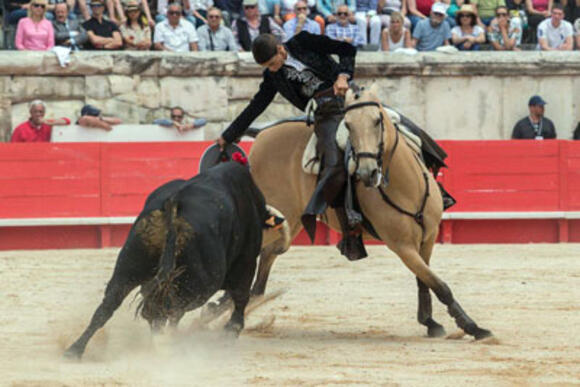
302 69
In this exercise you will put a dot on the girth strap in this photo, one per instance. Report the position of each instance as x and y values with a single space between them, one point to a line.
418 216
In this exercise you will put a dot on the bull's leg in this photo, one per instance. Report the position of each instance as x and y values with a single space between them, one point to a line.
114 295
425 311
239 281
415 263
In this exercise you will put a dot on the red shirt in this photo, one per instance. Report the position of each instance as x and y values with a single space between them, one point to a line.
27 132
424 6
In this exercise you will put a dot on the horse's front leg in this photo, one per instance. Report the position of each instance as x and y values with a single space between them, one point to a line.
425 310
415 263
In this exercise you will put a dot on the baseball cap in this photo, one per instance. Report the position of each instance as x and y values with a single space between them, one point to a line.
439 8
95 2
250 3
90 110
536 100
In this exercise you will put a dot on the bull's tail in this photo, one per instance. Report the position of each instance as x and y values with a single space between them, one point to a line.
161 292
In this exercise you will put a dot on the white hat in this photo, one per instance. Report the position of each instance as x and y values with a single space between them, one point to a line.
439 8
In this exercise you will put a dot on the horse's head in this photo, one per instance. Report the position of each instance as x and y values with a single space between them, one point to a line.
365 122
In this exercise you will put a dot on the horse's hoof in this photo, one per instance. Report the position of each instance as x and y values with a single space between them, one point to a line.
481 333
436 331
72 354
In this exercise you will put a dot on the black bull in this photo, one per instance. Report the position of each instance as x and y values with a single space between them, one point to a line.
192 239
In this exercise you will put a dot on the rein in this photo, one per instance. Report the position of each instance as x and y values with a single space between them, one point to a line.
417 216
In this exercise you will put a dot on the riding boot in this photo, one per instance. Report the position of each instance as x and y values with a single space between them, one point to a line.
448 200
351 245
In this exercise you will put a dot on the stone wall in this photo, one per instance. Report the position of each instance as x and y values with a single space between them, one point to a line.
460 96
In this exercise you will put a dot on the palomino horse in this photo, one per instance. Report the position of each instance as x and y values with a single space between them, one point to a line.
404 207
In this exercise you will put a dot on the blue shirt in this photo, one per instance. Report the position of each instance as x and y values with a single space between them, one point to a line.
309 26
366 5
339 32
430 38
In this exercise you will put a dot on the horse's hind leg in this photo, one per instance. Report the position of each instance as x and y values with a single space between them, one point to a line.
267 258
415 263
425 311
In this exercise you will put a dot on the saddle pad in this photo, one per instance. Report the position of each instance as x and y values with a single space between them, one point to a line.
311 163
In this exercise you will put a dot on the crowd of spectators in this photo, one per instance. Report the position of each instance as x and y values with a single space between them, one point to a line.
231 25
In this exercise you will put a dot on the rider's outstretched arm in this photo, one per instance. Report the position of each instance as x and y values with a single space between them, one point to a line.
257 105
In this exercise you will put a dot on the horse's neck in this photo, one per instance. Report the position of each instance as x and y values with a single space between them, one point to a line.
404 170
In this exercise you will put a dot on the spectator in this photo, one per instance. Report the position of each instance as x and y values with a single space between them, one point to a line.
467 35
120 11
91 117
199 10
505 33
397 35
367 18
186 14
103 34
135 32
388 7
343 29
214 36
248 27
555 34
328 9
175 34
35 32
67 32
535 125
537 11
301 22
179 121
272 8
517 12
577 29
418 10
37 128
17 9
486 9
432 32
232 8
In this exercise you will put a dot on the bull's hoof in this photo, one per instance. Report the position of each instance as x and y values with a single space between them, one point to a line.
481 333
436 331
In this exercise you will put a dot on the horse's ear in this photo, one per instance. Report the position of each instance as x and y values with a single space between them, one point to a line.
374 90
349 96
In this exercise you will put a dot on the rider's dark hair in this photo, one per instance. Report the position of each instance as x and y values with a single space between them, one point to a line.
264 48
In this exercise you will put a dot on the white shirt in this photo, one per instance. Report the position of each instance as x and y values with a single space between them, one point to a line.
176 39
554 35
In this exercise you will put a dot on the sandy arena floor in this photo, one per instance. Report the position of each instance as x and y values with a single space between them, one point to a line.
338 323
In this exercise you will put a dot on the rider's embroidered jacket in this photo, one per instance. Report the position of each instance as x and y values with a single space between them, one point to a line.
312 50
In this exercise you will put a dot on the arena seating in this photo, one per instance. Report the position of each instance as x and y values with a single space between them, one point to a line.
57 195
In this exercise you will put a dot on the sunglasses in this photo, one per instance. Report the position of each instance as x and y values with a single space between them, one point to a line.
35 5
342 14
214 17
501 14
175 116
438 14
174 13
465 15
301 9
250 6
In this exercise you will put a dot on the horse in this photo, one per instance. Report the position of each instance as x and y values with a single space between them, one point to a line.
394 189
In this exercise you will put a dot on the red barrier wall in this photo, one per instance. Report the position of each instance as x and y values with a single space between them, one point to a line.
113 179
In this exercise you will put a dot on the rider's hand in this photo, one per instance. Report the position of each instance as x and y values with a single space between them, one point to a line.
341 85
221 142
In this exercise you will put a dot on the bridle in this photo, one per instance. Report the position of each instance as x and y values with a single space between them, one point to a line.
378 156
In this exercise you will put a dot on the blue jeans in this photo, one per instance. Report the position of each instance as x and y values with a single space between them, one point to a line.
474 47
